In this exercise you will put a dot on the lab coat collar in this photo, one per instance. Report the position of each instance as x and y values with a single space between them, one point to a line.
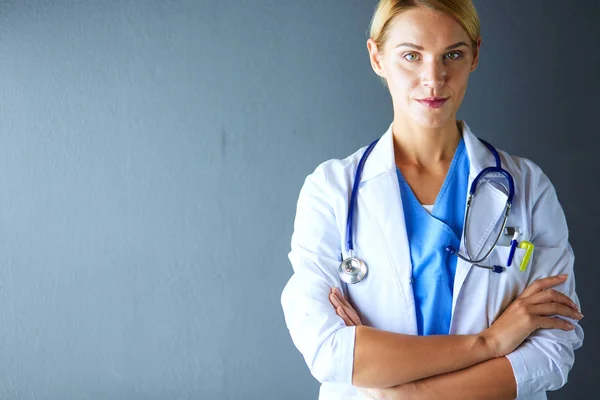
381 159
480 156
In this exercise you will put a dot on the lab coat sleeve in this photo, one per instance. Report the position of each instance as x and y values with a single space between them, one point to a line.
325 342
543 360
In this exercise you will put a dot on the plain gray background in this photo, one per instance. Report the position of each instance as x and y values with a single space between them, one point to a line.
151 155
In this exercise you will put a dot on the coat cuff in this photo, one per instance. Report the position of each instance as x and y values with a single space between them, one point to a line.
343 351
535 375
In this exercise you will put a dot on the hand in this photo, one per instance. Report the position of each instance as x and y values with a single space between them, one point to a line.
532 310
343 308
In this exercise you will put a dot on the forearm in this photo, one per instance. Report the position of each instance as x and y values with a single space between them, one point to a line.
490 380
385 359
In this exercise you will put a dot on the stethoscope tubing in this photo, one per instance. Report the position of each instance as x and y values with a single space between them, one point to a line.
473 189
359 169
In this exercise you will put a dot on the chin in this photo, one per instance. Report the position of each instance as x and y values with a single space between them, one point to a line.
433 121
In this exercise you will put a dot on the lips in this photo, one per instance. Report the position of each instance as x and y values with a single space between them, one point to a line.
433 102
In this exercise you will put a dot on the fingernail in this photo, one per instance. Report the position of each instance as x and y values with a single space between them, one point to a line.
563 276
580 315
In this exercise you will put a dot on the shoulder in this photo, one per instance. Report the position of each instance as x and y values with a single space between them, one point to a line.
325 194
526 172
335 174
541 203
534 186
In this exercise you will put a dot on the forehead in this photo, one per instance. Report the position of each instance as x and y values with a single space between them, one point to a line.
425 27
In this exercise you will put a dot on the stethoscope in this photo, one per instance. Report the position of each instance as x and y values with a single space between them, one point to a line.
354 269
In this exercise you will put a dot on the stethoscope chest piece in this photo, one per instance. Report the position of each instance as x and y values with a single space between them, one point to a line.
352 270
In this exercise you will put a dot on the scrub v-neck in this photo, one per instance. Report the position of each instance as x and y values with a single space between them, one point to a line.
429 234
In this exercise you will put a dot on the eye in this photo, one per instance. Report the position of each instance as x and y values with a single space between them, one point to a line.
453 55
411 57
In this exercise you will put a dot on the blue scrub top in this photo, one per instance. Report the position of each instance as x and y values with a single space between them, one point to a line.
433 268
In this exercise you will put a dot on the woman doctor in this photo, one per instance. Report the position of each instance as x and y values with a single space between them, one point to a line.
424 323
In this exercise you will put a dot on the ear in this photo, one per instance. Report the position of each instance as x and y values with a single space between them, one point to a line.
476 55
374 57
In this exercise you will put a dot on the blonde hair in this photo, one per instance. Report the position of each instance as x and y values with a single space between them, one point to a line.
463 11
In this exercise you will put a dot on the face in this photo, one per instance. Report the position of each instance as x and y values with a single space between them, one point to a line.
426 61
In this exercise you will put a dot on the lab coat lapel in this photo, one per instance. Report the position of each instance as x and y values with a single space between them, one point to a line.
486 208
379 195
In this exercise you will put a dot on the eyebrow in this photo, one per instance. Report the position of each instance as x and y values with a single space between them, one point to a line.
451 47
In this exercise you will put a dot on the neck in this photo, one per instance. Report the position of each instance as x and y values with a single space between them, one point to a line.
419 146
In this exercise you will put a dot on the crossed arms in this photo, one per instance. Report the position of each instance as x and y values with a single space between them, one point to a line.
457 366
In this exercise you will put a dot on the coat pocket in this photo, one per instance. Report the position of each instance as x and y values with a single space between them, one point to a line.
508 285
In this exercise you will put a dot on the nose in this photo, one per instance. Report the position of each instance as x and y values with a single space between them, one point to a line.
433 74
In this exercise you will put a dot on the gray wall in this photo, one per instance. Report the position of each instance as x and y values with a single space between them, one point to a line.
151 154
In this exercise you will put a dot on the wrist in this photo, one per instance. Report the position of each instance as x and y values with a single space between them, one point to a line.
487 344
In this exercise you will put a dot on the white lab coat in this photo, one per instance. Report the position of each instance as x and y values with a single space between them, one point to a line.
384 300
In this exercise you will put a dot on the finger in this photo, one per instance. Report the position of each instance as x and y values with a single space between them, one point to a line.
342 297
551 295
340 312
554 323
334 300
543 284
353 316
348 309
548 309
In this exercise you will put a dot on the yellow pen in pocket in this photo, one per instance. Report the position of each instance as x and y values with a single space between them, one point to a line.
528 246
